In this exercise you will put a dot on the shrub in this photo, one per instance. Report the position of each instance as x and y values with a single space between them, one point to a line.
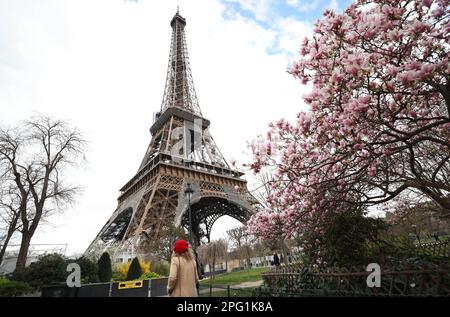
135 270
117 276
48 269
121 270
145 266
51 269
345 239
89 270
149 275
13 288
104 268
161 268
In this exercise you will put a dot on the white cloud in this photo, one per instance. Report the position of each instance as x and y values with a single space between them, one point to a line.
263 10
291 33
102 65
304 6
333 5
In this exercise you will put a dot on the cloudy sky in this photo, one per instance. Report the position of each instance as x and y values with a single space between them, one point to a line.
101 65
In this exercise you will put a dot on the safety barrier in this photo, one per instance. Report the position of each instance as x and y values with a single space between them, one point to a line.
155 287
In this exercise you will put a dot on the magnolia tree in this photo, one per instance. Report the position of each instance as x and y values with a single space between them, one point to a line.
378 126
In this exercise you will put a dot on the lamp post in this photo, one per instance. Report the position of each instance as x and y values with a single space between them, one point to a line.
416 233
188 192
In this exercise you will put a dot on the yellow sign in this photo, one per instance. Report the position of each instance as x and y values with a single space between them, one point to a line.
132 284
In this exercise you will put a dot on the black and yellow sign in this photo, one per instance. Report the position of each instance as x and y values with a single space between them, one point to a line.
132 284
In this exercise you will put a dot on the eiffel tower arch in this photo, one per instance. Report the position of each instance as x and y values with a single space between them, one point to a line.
181 153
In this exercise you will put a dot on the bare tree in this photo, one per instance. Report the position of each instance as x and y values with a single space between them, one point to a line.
211 253
223 251
35 157
10 205
242 242
221 247
10 219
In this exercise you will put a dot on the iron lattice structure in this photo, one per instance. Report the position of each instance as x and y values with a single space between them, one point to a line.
181 152
179 91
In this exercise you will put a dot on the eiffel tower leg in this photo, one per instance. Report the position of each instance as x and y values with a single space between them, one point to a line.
209 222
207 233
156 210
135 227
196 237
147 208
163 212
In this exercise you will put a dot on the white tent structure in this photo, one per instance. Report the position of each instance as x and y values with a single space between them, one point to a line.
8 264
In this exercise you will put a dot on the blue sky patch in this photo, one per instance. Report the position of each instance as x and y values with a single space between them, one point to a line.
269 14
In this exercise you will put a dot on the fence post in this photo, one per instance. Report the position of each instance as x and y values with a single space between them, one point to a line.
439 281
228 290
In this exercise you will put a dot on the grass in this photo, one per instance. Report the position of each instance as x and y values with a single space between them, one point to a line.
233 278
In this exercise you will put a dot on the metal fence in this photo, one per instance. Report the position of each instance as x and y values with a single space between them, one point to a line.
217 290
298 281
438 249
155 287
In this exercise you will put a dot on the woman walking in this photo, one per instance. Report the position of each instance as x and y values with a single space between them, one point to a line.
183 277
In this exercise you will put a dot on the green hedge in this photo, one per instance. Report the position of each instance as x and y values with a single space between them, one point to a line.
51 269
13 288
149 275
161 268
135 270
104 268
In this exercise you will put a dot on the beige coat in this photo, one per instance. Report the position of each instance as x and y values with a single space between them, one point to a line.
183 277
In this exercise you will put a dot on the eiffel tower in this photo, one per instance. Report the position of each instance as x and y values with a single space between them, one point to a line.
181 154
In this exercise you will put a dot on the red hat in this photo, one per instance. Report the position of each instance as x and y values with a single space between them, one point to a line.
180 246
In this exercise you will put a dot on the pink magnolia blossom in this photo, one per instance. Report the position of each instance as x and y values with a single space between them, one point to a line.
379 106
427 3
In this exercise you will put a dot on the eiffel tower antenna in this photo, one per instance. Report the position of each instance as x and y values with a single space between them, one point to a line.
181 154
179 90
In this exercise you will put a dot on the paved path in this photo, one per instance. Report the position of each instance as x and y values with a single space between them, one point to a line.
248 284
242 285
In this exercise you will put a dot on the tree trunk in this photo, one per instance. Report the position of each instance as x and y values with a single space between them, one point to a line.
4 245
214 267
23 252
284 253
210 271
11 230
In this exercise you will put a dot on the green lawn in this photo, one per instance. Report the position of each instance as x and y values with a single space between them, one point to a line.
233 278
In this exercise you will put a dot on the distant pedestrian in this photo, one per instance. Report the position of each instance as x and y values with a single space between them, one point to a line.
436 236
202 271
183 277
276 260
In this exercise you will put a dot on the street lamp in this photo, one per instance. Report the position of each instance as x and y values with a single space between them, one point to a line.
188 192
416 233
